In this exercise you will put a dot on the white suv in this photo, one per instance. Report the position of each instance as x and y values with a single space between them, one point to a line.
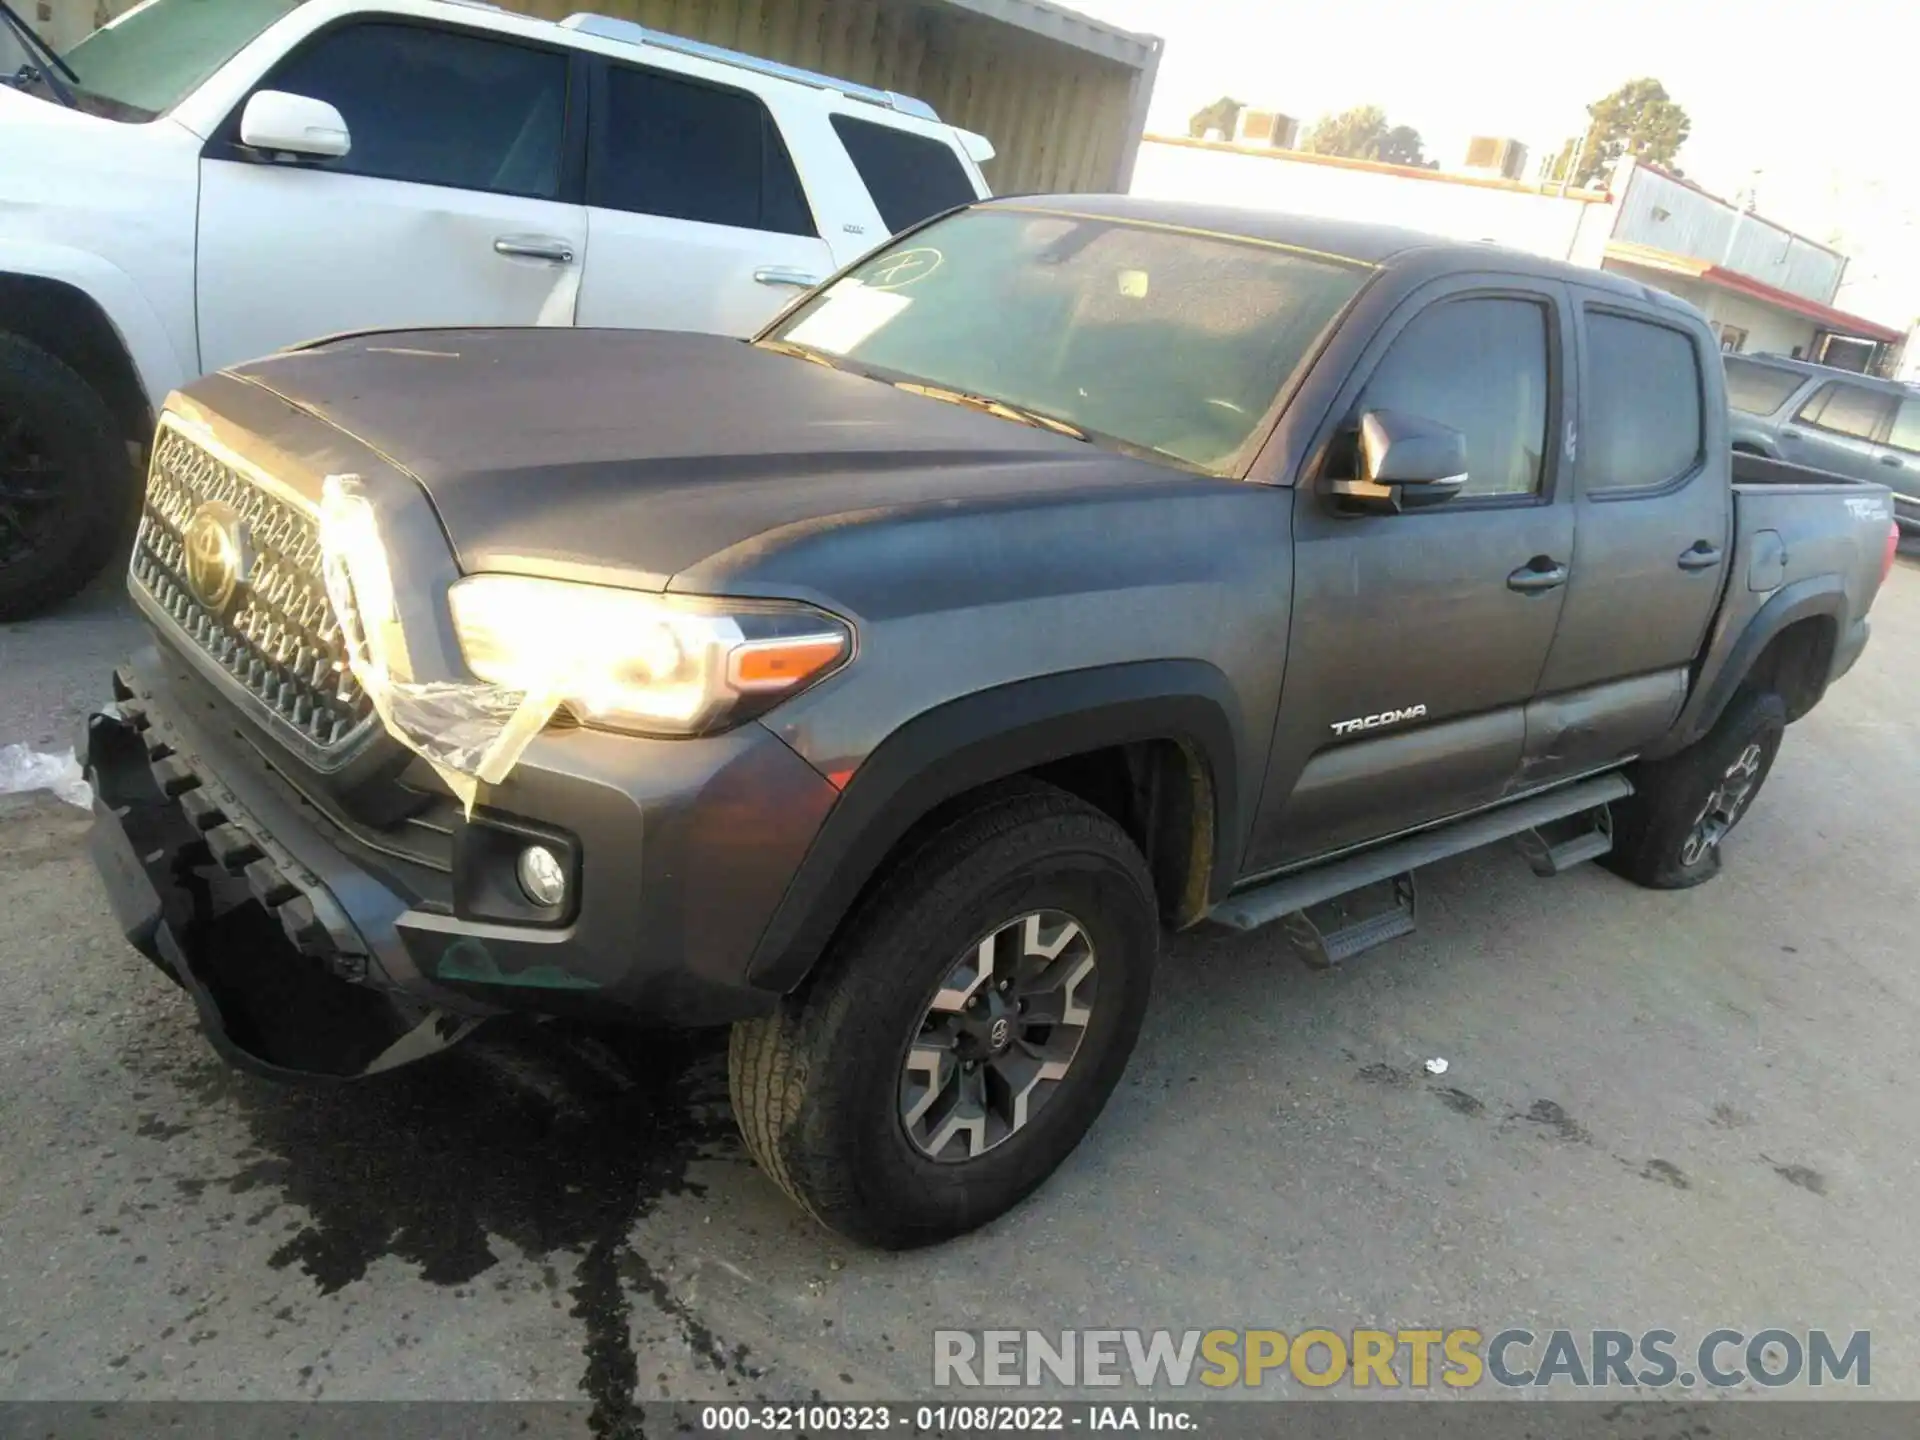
205 181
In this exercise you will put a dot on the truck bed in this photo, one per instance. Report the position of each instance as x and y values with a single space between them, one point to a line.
1796 532
1763 470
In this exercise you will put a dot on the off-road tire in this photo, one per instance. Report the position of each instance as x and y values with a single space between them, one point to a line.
815 1086
1652 826
96 513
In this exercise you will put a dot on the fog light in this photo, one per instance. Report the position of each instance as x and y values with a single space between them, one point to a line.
541 875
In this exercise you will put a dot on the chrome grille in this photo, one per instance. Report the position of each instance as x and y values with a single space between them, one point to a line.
277 638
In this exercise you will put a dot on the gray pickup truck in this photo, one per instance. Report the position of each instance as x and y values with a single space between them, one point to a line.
1066 571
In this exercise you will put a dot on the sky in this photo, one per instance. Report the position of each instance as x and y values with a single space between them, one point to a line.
1814 107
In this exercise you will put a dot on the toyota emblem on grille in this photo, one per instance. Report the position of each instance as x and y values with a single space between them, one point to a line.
217 554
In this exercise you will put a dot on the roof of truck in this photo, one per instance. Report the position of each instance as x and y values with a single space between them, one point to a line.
1348 239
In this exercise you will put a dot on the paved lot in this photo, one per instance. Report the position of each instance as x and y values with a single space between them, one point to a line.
1676 1110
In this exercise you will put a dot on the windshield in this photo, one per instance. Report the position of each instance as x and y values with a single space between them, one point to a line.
1170 340
157 54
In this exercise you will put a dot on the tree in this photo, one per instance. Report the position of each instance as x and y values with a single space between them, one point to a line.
1222 115
1362 133
1401 146
1638 119
1355 133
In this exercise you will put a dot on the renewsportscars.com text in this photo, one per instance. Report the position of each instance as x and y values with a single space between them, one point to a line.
1459 1358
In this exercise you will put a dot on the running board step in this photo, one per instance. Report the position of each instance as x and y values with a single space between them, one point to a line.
1290 894
1323 948
1558 846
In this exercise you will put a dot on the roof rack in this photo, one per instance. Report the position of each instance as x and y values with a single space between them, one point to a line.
606 27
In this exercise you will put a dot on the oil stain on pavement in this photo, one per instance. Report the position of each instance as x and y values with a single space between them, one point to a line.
540 1137
1805 1176
1554 1121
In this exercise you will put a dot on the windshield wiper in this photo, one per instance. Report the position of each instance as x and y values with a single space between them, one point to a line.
786 347
30 72
1006 410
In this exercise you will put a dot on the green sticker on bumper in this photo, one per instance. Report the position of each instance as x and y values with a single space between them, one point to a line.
468 959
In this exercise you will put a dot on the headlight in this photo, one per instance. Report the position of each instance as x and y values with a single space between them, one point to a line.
652 664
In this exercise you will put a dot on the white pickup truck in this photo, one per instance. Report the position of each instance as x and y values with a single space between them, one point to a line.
206 181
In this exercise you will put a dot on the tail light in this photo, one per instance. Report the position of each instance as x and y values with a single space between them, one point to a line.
1893 544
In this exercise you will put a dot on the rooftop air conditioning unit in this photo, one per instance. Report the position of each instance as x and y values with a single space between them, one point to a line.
1266 128
1492 155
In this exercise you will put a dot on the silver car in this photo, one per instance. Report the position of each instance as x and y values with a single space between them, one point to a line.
1831 420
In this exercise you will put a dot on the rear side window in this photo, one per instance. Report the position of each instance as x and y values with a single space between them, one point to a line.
1759 389
1847 410
689 151
439 107
1906 426
1643 389
1479 366
909 176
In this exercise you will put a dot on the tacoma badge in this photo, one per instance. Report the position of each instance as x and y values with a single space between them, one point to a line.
1374 722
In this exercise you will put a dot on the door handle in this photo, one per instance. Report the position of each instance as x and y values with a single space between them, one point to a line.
1789 434
1893 460
1701 555
535 247
785 275
1536 575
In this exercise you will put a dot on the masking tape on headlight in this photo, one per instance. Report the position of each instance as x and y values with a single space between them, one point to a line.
469 730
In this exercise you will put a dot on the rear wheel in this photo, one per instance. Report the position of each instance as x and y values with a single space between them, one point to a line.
966 1030
1667 834
67 490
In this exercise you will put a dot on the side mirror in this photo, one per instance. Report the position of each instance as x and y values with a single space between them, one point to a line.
1406 463
277 123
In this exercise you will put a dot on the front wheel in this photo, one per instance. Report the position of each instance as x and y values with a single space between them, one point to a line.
67 490
1667 834
966 1029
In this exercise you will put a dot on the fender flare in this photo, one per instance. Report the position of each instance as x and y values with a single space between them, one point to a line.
988 736
1816 597
142 335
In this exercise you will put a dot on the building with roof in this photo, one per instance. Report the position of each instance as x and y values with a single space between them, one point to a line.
1763 288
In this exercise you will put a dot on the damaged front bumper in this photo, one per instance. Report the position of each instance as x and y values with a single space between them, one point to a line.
286 982
315 949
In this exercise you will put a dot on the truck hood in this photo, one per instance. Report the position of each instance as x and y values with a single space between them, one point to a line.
635 457
18 109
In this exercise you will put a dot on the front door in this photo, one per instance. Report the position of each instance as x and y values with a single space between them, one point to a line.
697 216
1418 638
1836 429
446 210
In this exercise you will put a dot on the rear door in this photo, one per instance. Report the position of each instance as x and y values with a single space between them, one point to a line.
696 215
1417 638
456 205
1654 524
1837 428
